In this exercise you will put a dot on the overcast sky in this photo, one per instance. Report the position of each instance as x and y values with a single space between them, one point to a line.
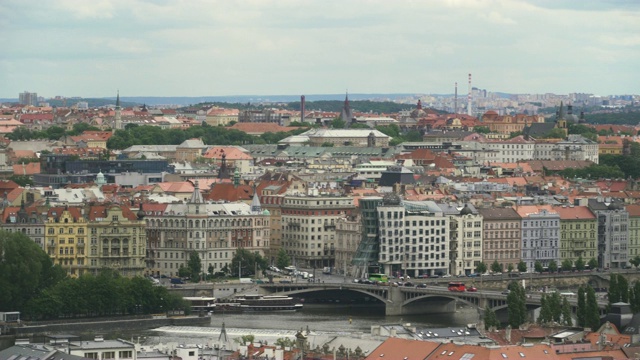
290 47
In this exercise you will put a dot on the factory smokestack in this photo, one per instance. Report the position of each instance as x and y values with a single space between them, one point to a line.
302 108
469 110
455 100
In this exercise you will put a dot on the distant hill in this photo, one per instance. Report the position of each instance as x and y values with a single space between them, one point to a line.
93 103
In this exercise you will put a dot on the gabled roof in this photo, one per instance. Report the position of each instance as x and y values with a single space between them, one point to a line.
399 349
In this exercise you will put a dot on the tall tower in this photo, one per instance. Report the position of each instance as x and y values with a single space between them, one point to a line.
455 100
118 120
347 114
302 104
469 110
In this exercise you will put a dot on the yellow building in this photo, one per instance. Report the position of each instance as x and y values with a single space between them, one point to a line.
66 232
634 230
117 240
578 233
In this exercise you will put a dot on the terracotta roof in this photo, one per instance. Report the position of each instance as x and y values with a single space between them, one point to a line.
634 210
399 349
176 187
96 212
26 169
73 211
451 351
230 192
575 212
261 128
152 209
231 153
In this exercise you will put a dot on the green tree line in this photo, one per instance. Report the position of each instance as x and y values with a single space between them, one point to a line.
32 284
51 133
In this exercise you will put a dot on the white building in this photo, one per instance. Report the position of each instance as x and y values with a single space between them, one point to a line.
413 237
465 237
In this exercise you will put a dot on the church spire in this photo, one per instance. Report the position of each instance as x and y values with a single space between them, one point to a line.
256 207
117 123
118 100
196 196
346 115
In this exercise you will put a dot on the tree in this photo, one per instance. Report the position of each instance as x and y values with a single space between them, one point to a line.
567 265
22 180
592 314
614 291
553 266
25 271
510 267
623 288
247 263
245 339
210 269
566 313
635 299
184 272
635 261
496 266
327 144
338 123
481 129
555 304
522 266
195 266
516 304
282 260
481 268
593 263
545 315
580 264
490 319
582 307
538 266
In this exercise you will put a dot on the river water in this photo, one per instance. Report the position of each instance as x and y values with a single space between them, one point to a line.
328 320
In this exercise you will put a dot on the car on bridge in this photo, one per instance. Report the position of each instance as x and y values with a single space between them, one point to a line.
472 288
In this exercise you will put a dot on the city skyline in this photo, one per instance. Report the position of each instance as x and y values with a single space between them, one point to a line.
217 48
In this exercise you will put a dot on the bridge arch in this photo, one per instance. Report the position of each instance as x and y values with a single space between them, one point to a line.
379 294
439 296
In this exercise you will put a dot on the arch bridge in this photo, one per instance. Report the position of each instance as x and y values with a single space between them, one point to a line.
407 300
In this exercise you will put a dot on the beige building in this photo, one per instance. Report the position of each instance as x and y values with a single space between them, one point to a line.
117 240
348 234
347 137
634 231
501 236
309 227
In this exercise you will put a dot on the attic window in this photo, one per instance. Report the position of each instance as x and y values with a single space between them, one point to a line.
444 352
545 351
504 355
451 353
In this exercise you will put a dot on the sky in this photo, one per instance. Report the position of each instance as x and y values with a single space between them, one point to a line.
93 48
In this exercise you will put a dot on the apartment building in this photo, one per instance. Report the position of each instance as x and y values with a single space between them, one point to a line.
28 221
309 227
465 237
578 233
66 233
613 231
634 230
117 240
501 240
348 235
413 237
213 231
540 235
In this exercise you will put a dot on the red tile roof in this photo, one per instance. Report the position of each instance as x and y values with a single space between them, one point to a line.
399 349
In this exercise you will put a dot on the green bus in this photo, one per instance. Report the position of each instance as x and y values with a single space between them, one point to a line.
379 278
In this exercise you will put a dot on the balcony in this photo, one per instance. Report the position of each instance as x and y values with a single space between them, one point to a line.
329 226
80 244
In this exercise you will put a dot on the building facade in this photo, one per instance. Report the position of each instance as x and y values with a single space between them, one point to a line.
501 240
613 232
66 233
413 237
348 235
213 231
578 233
465 238
540 235
309 227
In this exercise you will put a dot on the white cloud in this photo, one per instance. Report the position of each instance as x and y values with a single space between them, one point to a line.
221 47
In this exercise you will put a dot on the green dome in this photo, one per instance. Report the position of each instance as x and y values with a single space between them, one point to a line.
266 212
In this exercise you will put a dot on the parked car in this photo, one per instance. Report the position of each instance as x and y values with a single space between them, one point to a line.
408 284
285 281
421 286
472 288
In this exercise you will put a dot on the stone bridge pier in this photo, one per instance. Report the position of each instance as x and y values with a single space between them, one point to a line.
399 304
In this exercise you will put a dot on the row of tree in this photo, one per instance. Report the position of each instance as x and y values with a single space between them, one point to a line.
567 265
554 308
621 291
32 284
107 294
51 133
243 263
588 313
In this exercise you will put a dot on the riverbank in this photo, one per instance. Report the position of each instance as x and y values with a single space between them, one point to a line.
90 326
